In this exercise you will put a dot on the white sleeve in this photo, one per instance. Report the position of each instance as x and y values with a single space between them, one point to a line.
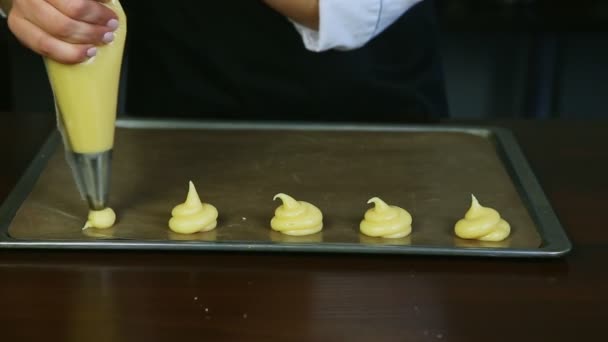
5 4
350 24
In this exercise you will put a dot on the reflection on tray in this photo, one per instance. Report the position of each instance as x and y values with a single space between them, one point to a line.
458 242
209 236
99 233
280 237
368 240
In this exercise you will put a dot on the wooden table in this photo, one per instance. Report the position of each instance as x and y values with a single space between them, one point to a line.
118 296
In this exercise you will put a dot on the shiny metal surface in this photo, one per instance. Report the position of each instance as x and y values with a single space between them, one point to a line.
92 175
430 171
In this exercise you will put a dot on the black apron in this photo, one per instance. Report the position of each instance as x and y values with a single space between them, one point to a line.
243 60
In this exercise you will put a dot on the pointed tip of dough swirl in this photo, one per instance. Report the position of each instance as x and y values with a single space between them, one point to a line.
193 197
288 201
474 201
380 204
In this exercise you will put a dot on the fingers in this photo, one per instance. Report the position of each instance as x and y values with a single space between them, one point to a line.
88 11
70 30
46 45
64 30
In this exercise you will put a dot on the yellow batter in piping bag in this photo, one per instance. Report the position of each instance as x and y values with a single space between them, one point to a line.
296 218
386 221
193 216
86 94
481 223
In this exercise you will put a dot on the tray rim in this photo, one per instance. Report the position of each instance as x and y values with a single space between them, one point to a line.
554 238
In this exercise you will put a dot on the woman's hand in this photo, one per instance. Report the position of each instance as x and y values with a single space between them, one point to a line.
64 30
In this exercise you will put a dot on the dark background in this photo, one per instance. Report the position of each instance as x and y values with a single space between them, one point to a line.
502 58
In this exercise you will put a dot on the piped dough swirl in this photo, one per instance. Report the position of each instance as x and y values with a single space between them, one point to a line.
296 218
193 216
481 223
100 219
386 221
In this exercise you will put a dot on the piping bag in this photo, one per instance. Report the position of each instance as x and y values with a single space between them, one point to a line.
86 97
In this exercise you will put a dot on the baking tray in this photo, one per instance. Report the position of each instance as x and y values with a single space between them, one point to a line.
430 171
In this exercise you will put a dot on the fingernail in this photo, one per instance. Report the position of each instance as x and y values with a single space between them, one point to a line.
92 52
112 24
108 37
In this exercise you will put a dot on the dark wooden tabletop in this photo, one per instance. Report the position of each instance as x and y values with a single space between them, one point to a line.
119 296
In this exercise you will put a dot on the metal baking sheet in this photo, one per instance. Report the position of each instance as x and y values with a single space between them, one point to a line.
431 171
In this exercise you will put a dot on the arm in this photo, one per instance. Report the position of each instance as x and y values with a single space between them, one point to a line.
341 24
304 12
